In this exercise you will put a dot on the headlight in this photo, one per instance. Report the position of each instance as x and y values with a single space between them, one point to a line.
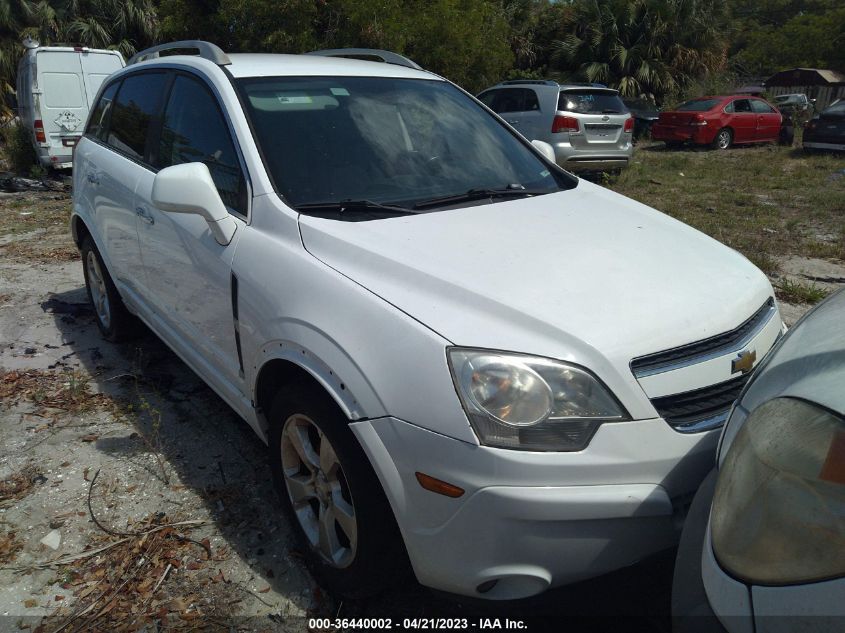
778 514
530 403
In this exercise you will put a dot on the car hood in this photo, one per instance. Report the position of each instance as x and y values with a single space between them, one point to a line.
584 275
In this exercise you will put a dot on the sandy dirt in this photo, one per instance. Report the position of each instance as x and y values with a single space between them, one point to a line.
166 450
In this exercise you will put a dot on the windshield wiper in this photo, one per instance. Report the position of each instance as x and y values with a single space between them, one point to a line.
611 112
478 194
342 206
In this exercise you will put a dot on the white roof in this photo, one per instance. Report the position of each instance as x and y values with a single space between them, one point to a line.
271 65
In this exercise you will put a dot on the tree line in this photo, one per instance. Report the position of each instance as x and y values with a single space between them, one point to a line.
662 49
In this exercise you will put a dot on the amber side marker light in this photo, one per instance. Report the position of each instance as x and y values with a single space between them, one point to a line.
440 487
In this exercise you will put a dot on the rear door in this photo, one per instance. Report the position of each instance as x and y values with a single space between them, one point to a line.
743 120
768 121
96 66
520 107
61 98
601 115
115 171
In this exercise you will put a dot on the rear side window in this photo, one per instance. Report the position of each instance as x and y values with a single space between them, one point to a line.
699 105
136 105
98 123
761 107
590 102
194 131
511 100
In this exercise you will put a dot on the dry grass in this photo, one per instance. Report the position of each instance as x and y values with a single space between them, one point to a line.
149 576
17 485
62 391
10 545
766 202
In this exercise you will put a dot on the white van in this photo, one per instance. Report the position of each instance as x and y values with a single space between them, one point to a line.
56 86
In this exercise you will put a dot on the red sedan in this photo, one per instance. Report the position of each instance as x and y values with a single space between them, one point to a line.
719 122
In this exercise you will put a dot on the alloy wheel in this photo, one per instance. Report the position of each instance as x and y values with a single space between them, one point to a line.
724 139
99 294
318 491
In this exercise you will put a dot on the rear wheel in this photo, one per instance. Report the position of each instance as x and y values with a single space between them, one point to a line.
114 320
724 139
332 495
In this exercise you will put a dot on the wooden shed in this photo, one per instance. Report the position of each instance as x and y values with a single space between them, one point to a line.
825 86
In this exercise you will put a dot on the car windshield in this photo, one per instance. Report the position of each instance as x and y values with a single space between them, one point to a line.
386 141
591 101
698 105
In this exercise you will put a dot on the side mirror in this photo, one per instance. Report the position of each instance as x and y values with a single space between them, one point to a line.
545 149
188 188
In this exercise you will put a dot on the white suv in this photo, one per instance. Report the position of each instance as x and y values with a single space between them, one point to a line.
460 355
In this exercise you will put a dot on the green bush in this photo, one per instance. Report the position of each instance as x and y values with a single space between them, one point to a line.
18 150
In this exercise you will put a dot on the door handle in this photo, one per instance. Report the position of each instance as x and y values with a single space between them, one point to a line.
142 213
92 178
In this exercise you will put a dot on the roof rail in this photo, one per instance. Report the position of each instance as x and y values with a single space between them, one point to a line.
206 50
536 82
368 54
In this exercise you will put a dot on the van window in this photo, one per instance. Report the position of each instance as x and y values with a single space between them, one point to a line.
98 123
136 104
62 90
194 130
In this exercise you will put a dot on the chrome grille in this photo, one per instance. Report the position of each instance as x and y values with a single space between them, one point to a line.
706 348
700 409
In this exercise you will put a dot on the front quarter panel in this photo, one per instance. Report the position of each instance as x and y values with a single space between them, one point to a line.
373 359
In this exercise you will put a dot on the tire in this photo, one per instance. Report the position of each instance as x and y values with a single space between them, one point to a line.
315 457
114 320
724 139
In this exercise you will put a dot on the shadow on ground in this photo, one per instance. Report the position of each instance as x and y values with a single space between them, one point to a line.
218 456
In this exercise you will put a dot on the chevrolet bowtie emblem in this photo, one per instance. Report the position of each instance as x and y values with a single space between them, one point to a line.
744 362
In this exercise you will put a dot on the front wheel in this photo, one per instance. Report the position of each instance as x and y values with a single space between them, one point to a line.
724 139
332 496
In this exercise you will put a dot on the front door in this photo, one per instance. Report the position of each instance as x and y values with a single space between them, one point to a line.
768 121
188 274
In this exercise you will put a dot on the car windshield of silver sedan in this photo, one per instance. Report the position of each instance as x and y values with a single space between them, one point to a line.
356 148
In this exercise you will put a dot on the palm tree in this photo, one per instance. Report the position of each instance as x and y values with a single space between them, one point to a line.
643 47
125 25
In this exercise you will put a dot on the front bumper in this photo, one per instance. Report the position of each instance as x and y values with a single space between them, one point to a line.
528 520
836 147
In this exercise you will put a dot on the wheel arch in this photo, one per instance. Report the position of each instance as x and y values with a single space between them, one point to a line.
282 369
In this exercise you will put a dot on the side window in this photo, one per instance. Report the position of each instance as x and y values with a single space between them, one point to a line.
136 104
742 105
761 107
99 121
487 98
531 101
514 100
194 130
730 108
